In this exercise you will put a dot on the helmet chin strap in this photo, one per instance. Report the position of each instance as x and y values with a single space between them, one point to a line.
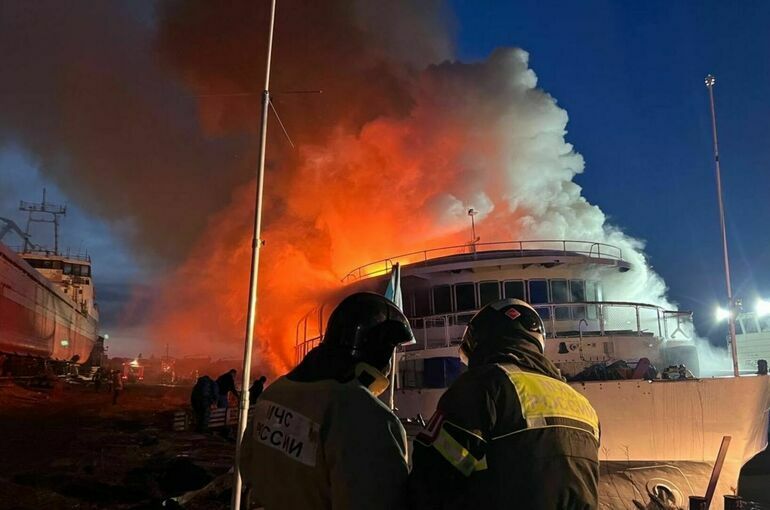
374 380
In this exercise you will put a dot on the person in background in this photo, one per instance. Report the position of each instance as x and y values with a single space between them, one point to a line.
320 438
226 385
97 379
256 390
509 432
117 386
204 394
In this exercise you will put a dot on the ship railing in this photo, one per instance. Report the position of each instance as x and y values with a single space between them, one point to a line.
561 320
21 249
588 249
309 332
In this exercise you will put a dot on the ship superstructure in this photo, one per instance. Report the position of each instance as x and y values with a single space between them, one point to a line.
753 339
613 351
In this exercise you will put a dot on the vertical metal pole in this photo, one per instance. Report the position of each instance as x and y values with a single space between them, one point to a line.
710 81
256 244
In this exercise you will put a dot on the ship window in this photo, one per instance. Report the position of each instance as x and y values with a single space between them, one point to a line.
577 290
465 297
67 268
442 299
764 323
421 302
738 328
538 294
592 291
592 294
514 290
489 292
538 291
411 373
56 264
408 304
750 325
560 294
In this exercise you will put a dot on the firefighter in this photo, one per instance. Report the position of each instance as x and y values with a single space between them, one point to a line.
320 437
509 432
225 386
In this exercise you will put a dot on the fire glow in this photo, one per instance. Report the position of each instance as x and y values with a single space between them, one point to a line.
479 135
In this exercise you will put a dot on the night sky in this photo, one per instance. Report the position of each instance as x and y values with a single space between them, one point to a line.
630 75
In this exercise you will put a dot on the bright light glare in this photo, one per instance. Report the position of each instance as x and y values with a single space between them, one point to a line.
762 307
722 314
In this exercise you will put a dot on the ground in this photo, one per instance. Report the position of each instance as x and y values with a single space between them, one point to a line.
69 447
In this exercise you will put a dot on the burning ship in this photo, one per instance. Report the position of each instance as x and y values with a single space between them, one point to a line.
660 437
47 303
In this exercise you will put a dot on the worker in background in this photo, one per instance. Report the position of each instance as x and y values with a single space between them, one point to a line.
320 438
97 379
256 389
226 385
117 386
509 432
204 394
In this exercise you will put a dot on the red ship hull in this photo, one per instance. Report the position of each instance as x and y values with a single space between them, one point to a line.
36 318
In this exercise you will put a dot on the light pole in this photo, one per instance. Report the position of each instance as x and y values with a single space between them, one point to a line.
473 212
256 245
710 81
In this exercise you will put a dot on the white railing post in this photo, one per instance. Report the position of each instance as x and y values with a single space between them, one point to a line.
600 309
638 321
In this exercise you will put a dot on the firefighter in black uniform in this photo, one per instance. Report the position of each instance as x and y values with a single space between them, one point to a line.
320 438
509 433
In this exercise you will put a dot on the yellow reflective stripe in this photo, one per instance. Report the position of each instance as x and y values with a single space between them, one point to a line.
543 397
457 455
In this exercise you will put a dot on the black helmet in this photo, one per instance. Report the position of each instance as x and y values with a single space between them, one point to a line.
368 326
507 319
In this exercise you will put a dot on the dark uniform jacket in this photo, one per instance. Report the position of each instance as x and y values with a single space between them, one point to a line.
508 434
320 440
226 384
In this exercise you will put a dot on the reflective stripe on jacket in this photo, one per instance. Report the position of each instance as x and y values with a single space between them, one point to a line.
505 437
324 445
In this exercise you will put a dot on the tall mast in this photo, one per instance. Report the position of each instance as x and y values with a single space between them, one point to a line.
256 244
37 213
710 81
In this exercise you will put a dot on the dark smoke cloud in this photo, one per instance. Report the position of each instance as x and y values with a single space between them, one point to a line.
91 91
82 93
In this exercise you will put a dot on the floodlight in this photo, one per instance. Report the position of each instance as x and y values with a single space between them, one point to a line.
762 307
722 314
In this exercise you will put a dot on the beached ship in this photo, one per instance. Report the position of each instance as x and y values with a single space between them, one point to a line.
47 302
660 437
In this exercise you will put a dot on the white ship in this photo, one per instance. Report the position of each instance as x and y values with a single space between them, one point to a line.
660 438
752 335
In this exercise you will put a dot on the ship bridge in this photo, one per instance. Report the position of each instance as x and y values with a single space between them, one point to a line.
564 280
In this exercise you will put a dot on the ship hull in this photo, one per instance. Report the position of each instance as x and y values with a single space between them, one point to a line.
652 429
36 319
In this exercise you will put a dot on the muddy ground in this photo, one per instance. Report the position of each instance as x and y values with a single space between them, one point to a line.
69 448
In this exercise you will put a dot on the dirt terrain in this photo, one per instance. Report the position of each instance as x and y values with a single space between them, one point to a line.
68 447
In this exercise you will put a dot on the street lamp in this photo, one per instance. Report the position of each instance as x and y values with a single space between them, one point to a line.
710 81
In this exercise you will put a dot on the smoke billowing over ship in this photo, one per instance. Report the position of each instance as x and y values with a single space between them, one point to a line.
388 159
